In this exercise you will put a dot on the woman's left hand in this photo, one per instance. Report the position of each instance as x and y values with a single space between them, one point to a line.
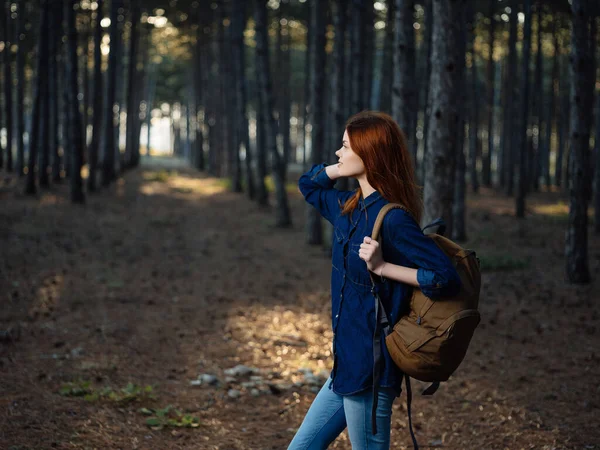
370 252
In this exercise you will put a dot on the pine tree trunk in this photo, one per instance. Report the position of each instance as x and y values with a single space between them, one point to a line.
550 120
339 74
537 165
576 246
132 80
428 42
404 88
8 87
238 24
358 54
368 43
42 65
20 89
317 82
524 122
440 162
97 106
491 71
564 123
110 146
474 116
55 95
283 218
465 23
76 144
512 108
385 91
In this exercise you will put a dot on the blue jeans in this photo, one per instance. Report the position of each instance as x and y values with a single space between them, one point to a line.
330 413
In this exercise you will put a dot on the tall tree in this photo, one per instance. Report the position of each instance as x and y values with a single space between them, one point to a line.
108 161
131 153
551 114
523 120
45 118
511 110
317 119
97 107
238 24
474 104
491 71
8 86
339 74
443 130
536 163
20 88
282 213
465 23
576 245
358 46
76 147
39 93
404 92
387 70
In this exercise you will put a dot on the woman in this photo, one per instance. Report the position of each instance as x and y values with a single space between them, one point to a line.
374 152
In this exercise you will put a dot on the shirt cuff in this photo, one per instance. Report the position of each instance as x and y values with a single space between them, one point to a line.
319 176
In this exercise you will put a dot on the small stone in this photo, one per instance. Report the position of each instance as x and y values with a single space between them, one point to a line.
240 370
255 392
230 379
248 384
208 379
315 389
256 378
233 393
196 383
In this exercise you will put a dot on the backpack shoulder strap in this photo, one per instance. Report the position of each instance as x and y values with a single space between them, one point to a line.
382 212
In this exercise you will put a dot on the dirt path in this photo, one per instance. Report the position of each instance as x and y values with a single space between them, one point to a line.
166 276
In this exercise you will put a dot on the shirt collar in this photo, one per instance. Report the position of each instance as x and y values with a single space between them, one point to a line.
366 202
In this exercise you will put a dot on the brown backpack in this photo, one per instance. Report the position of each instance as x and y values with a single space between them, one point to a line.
431 341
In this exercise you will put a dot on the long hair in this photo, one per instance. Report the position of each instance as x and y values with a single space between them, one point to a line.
378 140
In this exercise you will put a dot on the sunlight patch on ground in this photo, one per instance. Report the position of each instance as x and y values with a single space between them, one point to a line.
167 182
289 339
48 295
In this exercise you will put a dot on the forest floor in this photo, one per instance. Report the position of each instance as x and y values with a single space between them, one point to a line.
110 311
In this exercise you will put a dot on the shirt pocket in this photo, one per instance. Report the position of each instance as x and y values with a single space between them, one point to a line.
337 249
358 274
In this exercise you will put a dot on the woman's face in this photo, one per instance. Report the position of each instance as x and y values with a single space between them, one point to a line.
350 164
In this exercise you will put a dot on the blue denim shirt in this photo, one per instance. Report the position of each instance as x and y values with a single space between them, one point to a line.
352 303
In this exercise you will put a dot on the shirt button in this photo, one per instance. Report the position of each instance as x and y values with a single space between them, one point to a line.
337 315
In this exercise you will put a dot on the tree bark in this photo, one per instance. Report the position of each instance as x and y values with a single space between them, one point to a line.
131 159
404 91
283 218
491 71
8 87
317 82
512 106
20 89
238 24
77 142
108 162
576 245
524 122
440 162
385 91
465 23
42 64
97 105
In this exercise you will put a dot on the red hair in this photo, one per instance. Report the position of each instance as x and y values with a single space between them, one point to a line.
378 140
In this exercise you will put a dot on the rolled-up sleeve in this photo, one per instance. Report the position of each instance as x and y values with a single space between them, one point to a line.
436 274
317 189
